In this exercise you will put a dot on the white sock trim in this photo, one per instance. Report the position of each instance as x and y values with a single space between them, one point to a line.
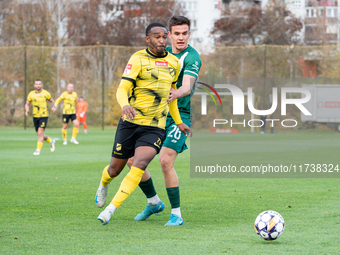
111 207
154 200
103 187
176 211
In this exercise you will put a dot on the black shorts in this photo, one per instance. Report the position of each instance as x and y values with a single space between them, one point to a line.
129 136
67 117
40 123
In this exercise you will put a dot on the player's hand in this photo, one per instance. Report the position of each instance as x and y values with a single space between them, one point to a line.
172 95
184 128
26 113
129 112
54 109
82 114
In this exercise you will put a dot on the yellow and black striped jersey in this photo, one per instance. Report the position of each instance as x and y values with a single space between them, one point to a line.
149 79
70 101
39 102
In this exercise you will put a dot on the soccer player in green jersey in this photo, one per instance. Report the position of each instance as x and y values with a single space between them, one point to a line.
38 97
174 143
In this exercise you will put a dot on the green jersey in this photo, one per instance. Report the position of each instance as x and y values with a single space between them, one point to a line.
190 65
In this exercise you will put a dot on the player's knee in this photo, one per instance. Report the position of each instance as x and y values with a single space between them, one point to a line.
141 164
129 162
113 170
166 163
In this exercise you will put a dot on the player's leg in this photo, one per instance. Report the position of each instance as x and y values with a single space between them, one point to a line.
39 124
167 158
123 148
40 133
109 173
47 138
75 129
50 141
64 128
155 205
36 127
143 156
85 127
173 144
82 120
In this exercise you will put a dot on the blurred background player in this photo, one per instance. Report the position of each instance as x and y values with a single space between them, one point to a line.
38 97
69 112
81 112
174 142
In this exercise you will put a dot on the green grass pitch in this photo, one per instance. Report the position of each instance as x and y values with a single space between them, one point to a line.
47 203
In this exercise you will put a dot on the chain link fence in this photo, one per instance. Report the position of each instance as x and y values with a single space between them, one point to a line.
95 72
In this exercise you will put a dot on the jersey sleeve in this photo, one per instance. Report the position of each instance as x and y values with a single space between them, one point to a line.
128 80
173 108
132 69
59 99
29 97
48 95
192 65
177 72
122 92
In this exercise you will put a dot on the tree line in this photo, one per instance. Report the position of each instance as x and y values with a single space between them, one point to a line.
80 23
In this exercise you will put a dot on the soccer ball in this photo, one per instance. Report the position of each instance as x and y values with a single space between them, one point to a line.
269 225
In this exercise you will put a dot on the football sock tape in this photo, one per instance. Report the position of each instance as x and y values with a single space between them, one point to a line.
128 185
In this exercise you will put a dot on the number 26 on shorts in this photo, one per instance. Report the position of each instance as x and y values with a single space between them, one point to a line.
175 132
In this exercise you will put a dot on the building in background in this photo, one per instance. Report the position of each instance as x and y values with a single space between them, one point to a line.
321 20
202 14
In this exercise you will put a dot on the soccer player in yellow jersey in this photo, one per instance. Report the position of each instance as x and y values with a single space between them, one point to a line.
38 97
148 78
69 112
174 142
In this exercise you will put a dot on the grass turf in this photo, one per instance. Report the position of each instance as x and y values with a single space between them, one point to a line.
47 203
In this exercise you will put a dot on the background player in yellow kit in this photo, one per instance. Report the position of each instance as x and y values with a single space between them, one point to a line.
38 97
81 112
69 112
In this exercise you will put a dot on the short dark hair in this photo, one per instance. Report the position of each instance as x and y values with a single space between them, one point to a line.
155 24
38 80
177 21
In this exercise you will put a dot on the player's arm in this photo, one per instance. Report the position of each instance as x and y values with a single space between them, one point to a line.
57 102
122 97
85 107
27 107
174 112
130 74
51 100
191 69
188 83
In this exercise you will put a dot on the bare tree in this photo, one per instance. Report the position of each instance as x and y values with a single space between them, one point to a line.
26 23
252 25
99 22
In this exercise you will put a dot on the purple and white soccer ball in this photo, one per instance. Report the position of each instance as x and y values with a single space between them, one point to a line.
269 225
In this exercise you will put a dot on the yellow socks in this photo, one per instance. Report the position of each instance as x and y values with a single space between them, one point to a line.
48 140
106 178
128 185
39 146
64 131
74 132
